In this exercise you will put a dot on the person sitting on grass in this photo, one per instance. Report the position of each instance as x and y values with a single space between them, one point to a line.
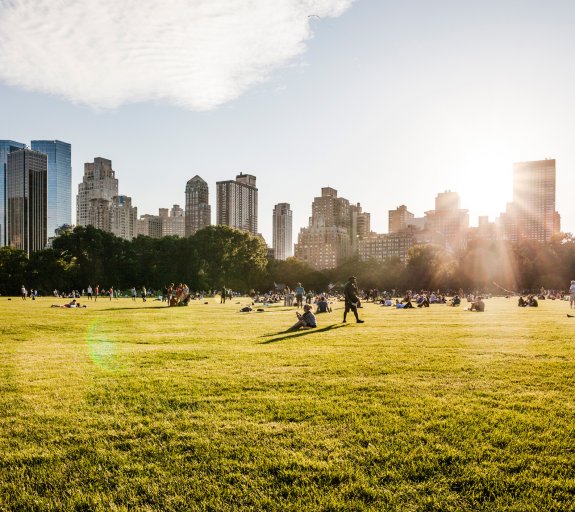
305 321
322 306
455 301
406 302
478 305
424 302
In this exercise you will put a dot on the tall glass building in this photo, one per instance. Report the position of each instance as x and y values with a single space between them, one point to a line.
59 182
6 147
26 200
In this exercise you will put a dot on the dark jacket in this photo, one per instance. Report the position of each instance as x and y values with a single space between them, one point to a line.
350 292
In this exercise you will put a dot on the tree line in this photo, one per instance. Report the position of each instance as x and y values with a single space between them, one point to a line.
219 256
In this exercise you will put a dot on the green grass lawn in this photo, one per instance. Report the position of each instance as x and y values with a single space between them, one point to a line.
133 406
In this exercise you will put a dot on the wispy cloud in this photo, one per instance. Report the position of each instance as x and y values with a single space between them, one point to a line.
194 53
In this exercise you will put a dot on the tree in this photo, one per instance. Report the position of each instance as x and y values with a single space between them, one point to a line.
429 267
228 257
13 268
48 271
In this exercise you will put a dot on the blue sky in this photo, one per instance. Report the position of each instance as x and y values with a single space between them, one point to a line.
390 102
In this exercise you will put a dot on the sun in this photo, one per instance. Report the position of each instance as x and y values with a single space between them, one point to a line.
485 183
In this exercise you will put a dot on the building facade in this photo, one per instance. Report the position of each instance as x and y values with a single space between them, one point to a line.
383 247
282 231
323 247
534 200
149 225
359 225
6 147
335 228
168 222
59 182
26 200
449 220
198 212
237 203
98 203
99 182
399 219
174 224
122 217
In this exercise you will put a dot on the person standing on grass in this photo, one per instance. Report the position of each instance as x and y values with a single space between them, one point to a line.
111 292
299 293
572 294
97 292
89 292
351 293
23 292
144 293
134 294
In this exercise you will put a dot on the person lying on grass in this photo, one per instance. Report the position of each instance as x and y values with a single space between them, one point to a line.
305 321
72 304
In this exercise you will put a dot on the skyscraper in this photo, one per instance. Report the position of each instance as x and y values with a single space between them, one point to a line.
100 183
59 182
26 200
98 203
534 200
282 231
237 203
198 210
6 146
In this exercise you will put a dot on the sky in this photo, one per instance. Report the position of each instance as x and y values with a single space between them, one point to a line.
388 101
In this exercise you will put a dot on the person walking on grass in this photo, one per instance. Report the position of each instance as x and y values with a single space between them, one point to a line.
351 293
572 294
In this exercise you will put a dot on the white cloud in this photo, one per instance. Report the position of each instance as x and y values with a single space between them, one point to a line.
194 53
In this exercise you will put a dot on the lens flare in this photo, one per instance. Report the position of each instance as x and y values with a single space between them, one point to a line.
103 351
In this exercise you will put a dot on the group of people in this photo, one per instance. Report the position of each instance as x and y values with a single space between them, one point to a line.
178 295
528 302
25 293
307 320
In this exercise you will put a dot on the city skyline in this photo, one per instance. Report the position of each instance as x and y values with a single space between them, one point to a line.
389 103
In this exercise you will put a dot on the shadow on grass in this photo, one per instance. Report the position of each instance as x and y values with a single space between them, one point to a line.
297 334
128 307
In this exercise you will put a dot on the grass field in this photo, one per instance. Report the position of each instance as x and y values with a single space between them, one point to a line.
132 406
